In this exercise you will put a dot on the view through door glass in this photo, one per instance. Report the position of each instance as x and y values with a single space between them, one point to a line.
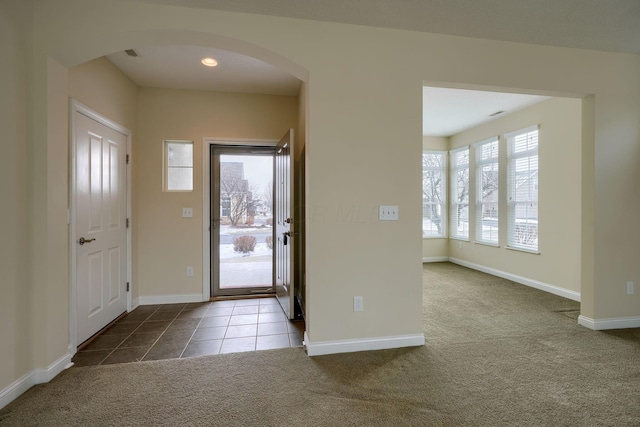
245 232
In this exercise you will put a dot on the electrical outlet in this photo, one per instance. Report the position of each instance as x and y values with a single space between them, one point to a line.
358 303
187 212
629 288
189 271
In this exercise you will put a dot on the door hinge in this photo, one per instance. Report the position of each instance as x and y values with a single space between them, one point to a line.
127 159
128 286
127 222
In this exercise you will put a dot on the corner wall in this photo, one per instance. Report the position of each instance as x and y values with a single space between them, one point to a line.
560 205
15 293
168 243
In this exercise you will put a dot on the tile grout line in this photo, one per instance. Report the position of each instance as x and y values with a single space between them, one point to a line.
128 336
165 330
194 332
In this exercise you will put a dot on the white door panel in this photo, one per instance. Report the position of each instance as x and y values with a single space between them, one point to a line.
101 208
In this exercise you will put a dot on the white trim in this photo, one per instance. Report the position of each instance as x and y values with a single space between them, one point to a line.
169 299
435 259
129 168
16 388
49 373
552 289
135 303
363 344
604 324
75 106
36 376
207 142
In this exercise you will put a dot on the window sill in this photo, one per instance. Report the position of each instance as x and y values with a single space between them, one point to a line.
460 239
529 251
493 245
434 237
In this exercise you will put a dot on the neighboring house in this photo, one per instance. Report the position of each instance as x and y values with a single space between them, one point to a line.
236 201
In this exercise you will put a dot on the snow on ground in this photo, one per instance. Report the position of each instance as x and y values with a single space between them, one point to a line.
260 228
227 252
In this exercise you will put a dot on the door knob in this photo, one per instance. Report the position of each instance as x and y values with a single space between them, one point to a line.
285 235
82 241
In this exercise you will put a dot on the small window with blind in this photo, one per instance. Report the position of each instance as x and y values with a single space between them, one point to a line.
487 180
178 166
459 197
522 192
434 190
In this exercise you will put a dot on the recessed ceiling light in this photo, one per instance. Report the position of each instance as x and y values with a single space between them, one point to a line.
209 62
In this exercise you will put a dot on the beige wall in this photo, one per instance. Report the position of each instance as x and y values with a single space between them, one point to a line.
103 87
167 243
15 351
363 148
560 161
435 249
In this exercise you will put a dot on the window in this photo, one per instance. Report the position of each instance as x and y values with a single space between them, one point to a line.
487 171
178 165
459 201
522 183
434 203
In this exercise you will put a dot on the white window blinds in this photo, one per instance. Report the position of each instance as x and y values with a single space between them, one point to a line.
459 199
434 187
522 184
487 186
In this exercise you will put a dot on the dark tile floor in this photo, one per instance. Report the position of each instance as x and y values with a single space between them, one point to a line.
154 332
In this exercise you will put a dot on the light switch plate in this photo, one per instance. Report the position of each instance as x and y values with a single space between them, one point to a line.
388 213
358 303
187 212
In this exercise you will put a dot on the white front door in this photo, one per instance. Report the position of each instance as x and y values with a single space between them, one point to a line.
100 224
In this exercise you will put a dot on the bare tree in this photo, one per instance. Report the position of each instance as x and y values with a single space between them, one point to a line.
432 188
236 194
267 195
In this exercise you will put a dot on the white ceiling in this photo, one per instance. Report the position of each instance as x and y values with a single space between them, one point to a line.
446 112
179 67
611 25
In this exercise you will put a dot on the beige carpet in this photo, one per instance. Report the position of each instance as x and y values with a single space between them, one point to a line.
497 354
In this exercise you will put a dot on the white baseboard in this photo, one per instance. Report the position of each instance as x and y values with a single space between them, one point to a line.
566 293
364 344
135 303
169 299
436 259
16 388
604 324
47 374
37 376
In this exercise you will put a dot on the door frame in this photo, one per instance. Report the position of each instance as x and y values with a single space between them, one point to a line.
207 142
77 107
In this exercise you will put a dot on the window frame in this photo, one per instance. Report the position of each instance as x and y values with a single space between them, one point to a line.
166 167
513 156
480 202
454 204
443 203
